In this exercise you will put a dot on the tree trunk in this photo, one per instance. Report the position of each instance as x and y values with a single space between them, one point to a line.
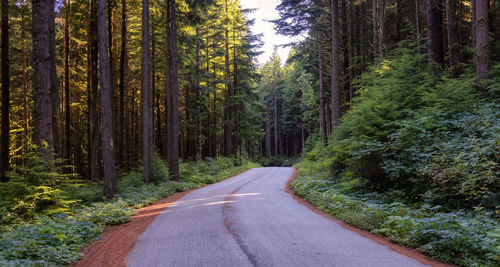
66 83
123 53
435 33
5 133
199 143
106 103
374 28
322 121
26 80
481 44
336 112
41 77
54 85
381 28
268 133
147 106
453 41
275 125
228 131
417 24
173 120
93 144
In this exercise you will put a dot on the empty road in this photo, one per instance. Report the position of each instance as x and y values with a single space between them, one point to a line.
250 220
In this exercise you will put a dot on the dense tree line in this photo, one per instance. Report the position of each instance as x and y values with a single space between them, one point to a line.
103 84
344 38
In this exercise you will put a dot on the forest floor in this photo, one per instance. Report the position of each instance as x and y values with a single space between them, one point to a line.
252 219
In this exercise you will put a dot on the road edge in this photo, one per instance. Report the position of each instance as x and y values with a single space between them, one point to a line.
409 252
114 245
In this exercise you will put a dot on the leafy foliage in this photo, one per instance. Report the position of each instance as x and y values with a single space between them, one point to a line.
465 238
56 238
415 159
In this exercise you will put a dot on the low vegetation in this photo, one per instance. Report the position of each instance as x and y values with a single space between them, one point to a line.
416 159
46 218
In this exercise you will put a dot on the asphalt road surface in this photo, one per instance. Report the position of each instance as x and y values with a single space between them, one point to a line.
250 220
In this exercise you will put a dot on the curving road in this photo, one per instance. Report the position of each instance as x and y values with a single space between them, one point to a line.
250 220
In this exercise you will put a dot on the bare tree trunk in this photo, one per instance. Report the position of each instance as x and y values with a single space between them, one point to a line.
106 103
66 83
435 33
26 87
199 143
374 28
123 54
147 111
350 32
336 112
5 133
275 124
41 84
322 121
417 24
473 22
54 85
93 144
228 131
173 120
481 44
381 28
453 41
268 133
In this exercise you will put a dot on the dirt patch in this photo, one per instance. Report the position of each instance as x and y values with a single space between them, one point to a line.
112 249
412 253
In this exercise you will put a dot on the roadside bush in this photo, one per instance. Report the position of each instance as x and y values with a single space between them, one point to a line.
48 242
56 239
464 238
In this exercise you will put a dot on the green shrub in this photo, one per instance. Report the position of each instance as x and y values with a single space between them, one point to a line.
76 212
463 238
48 242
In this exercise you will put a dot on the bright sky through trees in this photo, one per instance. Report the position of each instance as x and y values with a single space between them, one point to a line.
266 10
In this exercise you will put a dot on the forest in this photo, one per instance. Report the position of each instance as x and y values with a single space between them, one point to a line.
388 109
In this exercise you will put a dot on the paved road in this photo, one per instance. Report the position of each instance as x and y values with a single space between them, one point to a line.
250 220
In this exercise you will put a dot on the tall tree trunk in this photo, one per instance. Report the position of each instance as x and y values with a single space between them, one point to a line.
473 22
173 120
381 28
227 105
110 5
481 44
156 93
275 125
106 103
199 143
322 121
41 84
5 133
54 85
417 24
336 112
435 33
268 133
123 53
94 172
453 41
147 97
66 83
350 47
374 28
26 87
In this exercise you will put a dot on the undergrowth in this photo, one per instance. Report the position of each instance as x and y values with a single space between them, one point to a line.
46 222
415 159
466 238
